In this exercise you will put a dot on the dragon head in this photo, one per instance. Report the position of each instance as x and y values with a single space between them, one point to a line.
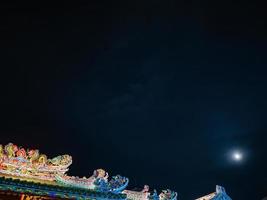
33 154
62 160
11 150
21 153
100 173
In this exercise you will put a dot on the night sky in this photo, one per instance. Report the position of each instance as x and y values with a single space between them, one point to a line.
158 91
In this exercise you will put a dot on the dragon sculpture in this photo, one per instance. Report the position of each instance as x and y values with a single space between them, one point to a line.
167 195
146 195
10 150
19 162
98 181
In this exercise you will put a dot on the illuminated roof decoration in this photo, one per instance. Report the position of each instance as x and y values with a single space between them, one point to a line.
29 172
146 195
19 162
98 181
220 194
54 191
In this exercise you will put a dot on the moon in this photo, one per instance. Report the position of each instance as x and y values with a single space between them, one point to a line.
237 156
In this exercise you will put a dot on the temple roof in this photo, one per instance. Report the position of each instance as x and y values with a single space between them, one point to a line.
28 171
55 190
219 194
207 197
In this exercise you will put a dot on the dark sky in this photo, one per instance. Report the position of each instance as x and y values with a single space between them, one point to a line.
158 91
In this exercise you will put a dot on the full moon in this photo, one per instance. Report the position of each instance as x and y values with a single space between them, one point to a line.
237 156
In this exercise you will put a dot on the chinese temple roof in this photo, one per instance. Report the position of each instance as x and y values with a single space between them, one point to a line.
54 190
220 194
29 172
